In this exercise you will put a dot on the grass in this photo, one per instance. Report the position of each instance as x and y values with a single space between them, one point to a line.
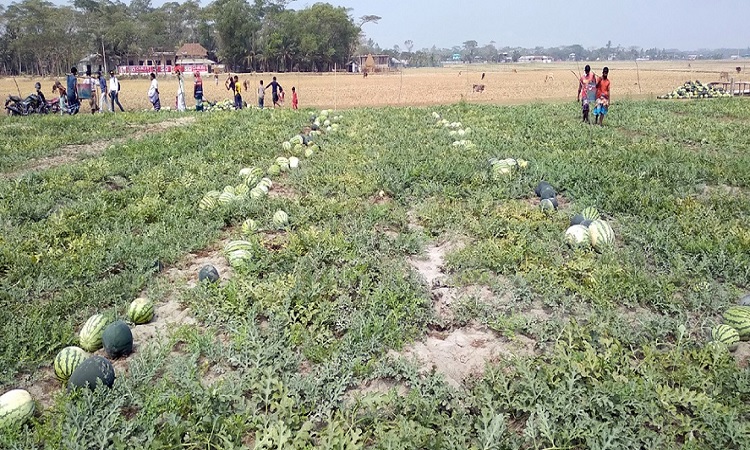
282 348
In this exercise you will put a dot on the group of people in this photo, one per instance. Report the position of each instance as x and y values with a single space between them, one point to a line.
277 92
593 90
76 89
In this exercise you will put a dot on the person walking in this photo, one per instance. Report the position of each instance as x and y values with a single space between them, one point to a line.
294 98
261 95
237 92
114 91
602 97
275 87
88 91
102 92
72 91
198 91
180 91
153 92
586 92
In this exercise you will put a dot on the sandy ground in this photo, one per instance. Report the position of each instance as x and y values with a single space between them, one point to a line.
504 84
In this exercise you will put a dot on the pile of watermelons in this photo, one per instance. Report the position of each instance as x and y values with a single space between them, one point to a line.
735 326
695 89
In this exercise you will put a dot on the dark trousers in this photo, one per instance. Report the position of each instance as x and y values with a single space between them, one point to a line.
237 101
115 99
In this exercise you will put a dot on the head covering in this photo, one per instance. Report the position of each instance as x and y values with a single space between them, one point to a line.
111 72
197 74
37 85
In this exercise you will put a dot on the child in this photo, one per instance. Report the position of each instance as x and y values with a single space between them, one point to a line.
237 93
603 98
294 98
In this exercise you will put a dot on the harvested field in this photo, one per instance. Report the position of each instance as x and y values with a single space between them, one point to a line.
504 84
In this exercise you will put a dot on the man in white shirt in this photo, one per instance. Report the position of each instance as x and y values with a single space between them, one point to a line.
114 91
153 92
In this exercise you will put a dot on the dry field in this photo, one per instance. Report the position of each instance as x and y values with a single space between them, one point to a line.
507 83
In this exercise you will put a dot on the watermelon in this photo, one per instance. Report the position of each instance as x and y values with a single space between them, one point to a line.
209 200
263 188
249 227
726 335
601 234
237 245
577 236
239 257
229 189
266 182
590 213
738 317
208 273
586 223
280 219
274 170
227 197
90 372
245 172
286 145
293 162
257 192
140 311
16 407
577 220
117 339
241 190
547 192
91 333
547 205
540 186
298 139
67 360
283 163
256 173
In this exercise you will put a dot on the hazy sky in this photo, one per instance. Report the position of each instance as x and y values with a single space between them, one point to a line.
682 24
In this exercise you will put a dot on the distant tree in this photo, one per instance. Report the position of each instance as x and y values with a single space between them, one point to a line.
469 47
409 44
516 55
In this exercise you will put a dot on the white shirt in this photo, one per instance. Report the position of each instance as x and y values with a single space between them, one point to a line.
154 87
114 84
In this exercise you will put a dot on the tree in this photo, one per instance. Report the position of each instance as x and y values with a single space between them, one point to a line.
409 44
469 47
235 25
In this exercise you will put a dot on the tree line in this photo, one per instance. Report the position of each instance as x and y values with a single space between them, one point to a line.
41 38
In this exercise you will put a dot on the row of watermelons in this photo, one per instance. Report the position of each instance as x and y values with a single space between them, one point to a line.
695 89
76 366
239 252
456 131
735 326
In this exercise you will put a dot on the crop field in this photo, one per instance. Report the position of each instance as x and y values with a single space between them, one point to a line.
415 298
421 87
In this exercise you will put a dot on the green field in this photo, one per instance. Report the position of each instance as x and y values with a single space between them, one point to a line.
310 343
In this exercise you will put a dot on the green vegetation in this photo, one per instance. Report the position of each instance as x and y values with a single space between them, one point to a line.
284 349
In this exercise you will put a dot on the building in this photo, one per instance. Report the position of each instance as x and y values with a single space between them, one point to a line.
193 56
94 63
190 57
535 58
373 63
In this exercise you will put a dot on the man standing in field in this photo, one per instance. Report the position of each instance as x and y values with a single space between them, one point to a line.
586 92
114 91
198 91
72 91
275 88
102 92
261 95
153 93
602 97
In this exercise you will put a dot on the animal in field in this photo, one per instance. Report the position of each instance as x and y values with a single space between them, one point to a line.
723 76
738 69
550 76
482 75
515 71
478 88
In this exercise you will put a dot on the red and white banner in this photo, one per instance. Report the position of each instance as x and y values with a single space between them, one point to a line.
123 70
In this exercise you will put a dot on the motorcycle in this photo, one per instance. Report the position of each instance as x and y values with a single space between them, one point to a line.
33 104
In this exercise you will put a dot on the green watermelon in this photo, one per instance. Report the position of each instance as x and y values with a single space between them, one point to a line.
286 145
241 190
601 234
239 257
540 186
586 223
257 192
547 192
738 317
91 333
590 213
577 235
16 407
140 311
577 220
266 182
256 173
237 245
249 227
547 205
117 339
67 360
283 163
726 335
90 372
274 170
208 273
209 200
227 197
280 219
230 190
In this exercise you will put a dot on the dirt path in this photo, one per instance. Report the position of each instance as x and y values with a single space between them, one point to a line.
72 153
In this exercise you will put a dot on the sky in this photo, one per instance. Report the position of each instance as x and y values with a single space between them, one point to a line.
681 24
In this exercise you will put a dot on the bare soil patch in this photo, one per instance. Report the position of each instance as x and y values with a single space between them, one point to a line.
376 387
742 354
187 270
281 191
465 352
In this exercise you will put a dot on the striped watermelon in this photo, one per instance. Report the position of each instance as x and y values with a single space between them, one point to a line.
67 360
227 197
296 140
738 317
256 173
286 145
241 190
16 407
726 335
547 205
239 257
140 311
232 246
209 200
91 333
256 192
280 219
274 170
590 213
577 235
229 189
283 163
249 227
262 187
267 182
601 235
245 172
